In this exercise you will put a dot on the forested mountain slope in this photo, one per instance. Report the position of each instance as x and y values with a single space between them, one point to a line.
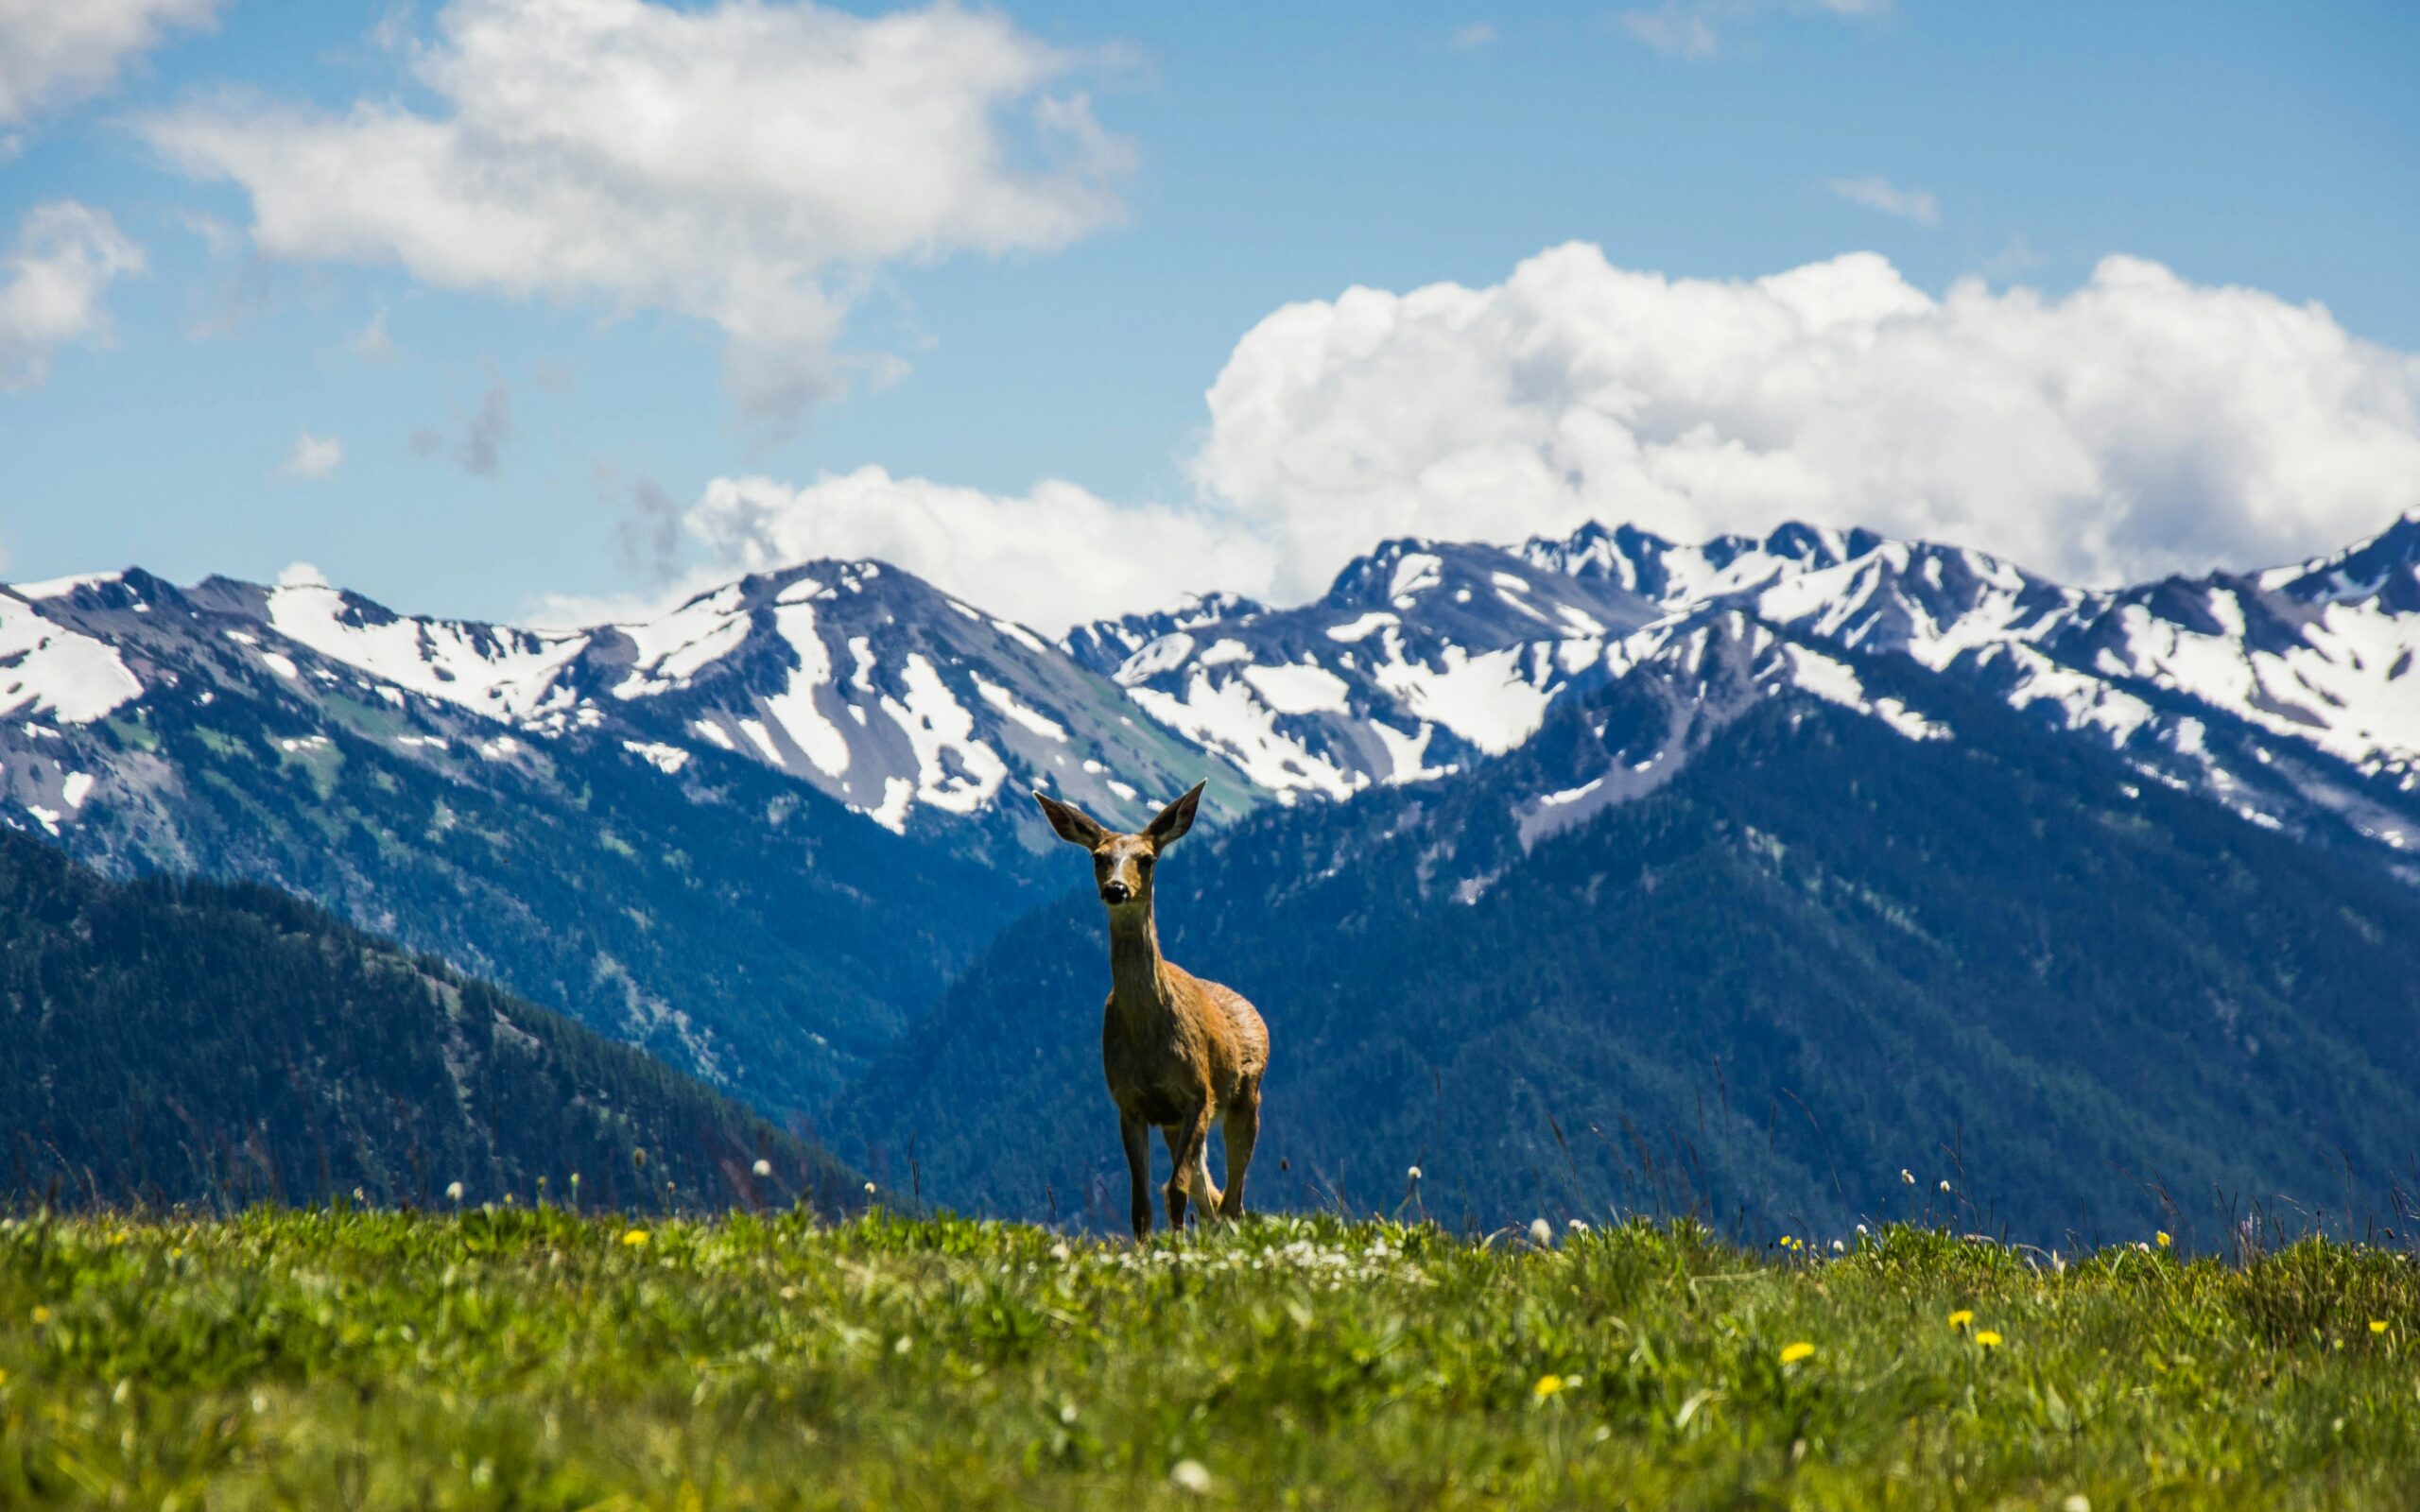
193 1041
1889 925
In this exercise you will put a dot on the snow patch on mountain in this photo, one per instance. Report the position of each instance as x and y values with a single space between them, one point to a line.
48 669
505 673
1489 700
677 647
955 772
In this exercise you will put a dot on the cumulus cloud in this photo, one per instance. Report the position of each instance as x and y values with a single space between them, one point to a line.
2139 424
1877 193
52 280
56 51
1049 558
743 163
1699 28
314 457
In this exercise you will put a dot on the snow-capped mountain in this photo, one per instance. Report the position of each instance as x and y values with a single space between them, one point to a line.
866 683
1420 659
2288 694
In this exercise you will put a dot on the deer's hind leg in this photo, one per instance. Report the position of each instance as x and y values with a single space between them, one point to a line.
1242 1129
1189 1154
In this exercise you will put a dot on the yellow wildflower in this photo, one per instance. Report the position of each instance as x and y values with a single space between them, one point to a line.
1547 1386
42 1315
1988 1338
1964 1318
2377 1324
1792 1354
2164 1239
636 1236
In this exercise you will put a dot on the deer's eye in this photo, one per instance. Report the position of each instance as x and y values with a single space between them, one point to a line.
1144 862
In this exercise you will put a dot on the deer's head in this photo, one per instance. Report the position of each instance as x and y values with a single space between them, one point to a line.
1122 863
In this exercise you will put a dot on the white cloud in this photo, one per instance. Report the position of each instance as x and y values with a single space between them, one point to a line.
1472 36
314 457
2139 424
301 574
743 164
51 283
56 51
1698 28
1877 193
1048 557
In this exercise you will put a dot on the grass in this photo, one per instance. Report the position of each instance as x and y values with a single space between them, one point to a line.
542 1359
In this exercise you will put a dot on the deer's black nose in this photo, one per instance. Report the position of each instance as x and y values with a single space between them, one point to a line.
1116 892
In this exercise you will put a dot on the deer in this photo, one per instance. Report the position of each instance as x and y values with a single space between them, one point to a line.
1179 1053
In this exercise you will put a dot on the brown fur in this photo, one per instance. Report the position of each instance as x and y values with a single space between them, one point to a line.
1179 1053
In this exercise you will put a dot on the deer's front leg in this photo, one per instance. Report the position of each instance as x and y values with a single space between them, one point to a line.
1137 1136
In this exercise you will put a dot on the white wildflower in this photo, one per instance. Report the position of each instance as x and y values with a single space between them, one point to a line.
1541 1233
1415 1173
1906 1176
869 1188
1945 1188
1190 1475
763 1168
452 1191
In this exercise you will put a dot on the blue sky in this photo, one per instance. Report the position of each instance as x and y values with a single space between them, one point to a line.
1256 156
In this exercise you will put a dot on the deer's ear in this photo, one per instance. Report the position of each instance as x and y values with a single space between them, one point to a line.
1174 820
1074 825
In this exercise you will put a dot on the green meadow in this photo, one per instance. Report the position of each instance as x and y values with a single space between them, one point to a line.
542 1359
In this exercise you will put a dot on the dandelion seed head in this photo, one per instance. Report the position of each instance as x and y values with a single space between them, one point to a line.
1945 1188
1541 1233
452 1191
763 1168
1415 1173
1191 1476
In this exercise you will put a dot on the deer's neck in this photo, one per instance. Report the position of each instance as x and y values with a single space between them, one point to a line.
1137 973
